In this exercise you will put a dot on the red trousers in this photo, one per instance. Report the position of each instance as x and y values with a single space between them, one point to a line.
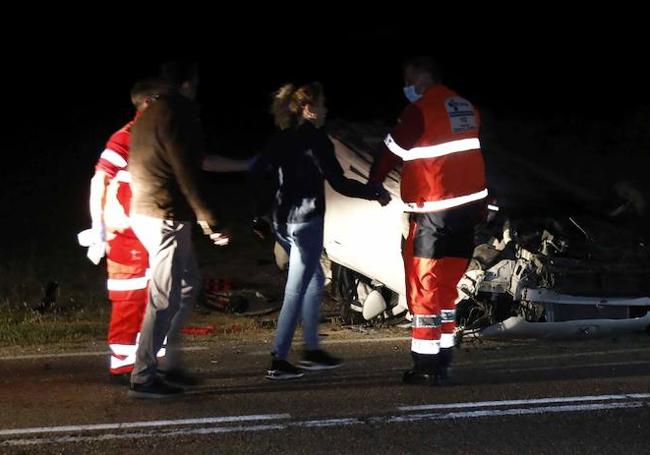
436 254
127 263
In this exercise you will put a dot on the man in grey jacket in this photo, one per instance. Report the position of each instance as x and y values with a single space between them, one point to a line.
166 151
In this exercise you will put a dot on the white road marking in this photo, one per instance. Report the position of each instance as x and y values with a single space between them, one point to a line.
145 424
327 423
573 406
479 404
80 354
112 437
514 411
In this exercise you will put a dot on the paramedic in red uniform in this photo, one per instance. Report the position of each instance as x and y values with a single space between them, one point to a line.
443 189
126 259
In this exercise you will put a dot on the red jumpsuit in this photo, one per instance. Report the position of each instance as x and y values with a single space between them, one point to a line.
443 187
127 260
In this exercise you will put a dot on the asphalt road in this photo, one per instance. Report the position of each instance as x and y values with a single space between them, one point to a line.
588 396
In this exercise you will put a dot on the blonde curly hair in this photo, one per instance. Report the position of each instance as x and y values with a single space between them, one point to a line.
289 101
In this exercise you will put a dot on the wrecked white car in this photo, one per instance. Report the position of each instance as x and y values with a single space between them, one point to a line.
559 275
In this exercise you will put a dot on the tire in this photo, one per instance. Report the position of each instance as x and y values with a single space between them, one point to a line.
344 291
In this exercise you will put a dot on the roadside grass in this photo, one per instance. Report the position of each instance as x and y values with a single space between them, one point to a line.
28 316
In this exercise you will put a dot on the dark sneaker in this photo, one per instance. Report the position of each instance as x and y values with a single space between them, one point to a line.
417 377
319 360
446 357
179 377
120 379
442 372
283 370
156 389
443 378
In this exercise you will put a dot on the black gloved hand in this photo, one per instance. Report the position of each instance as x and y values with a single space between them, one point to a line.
261 227
380 194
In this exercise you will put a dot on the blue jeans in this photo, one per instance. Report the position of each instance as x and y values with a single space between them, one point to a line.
303 292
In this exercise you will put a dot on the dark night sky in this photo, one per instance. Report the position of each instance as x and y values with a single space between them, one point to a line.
67 82
75 75
492 65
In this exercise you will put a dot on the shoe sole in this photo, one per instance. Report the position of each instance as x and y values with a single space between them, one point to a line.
318 366
282 377
183 385
150 395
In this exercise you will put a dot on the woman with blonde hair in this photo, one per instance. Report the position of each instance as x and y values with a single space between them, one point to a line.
301 158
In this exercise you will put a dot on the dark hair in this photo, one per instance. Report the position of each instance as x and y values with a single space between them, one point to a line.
289 102
179 71
147 89
424 64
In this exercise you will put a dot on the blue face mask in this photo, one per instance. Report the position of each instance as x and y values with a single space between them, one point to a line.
411 94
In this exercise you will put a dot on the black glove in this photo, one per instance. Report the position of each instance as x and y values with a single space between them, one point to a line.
380 194
261 227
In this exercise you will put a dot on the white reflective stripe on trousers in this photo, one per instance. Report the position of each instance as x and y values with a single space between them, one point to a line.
128 352
426 321
448 316
434 206
447 340
117 362
425 346
129 284
432 151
